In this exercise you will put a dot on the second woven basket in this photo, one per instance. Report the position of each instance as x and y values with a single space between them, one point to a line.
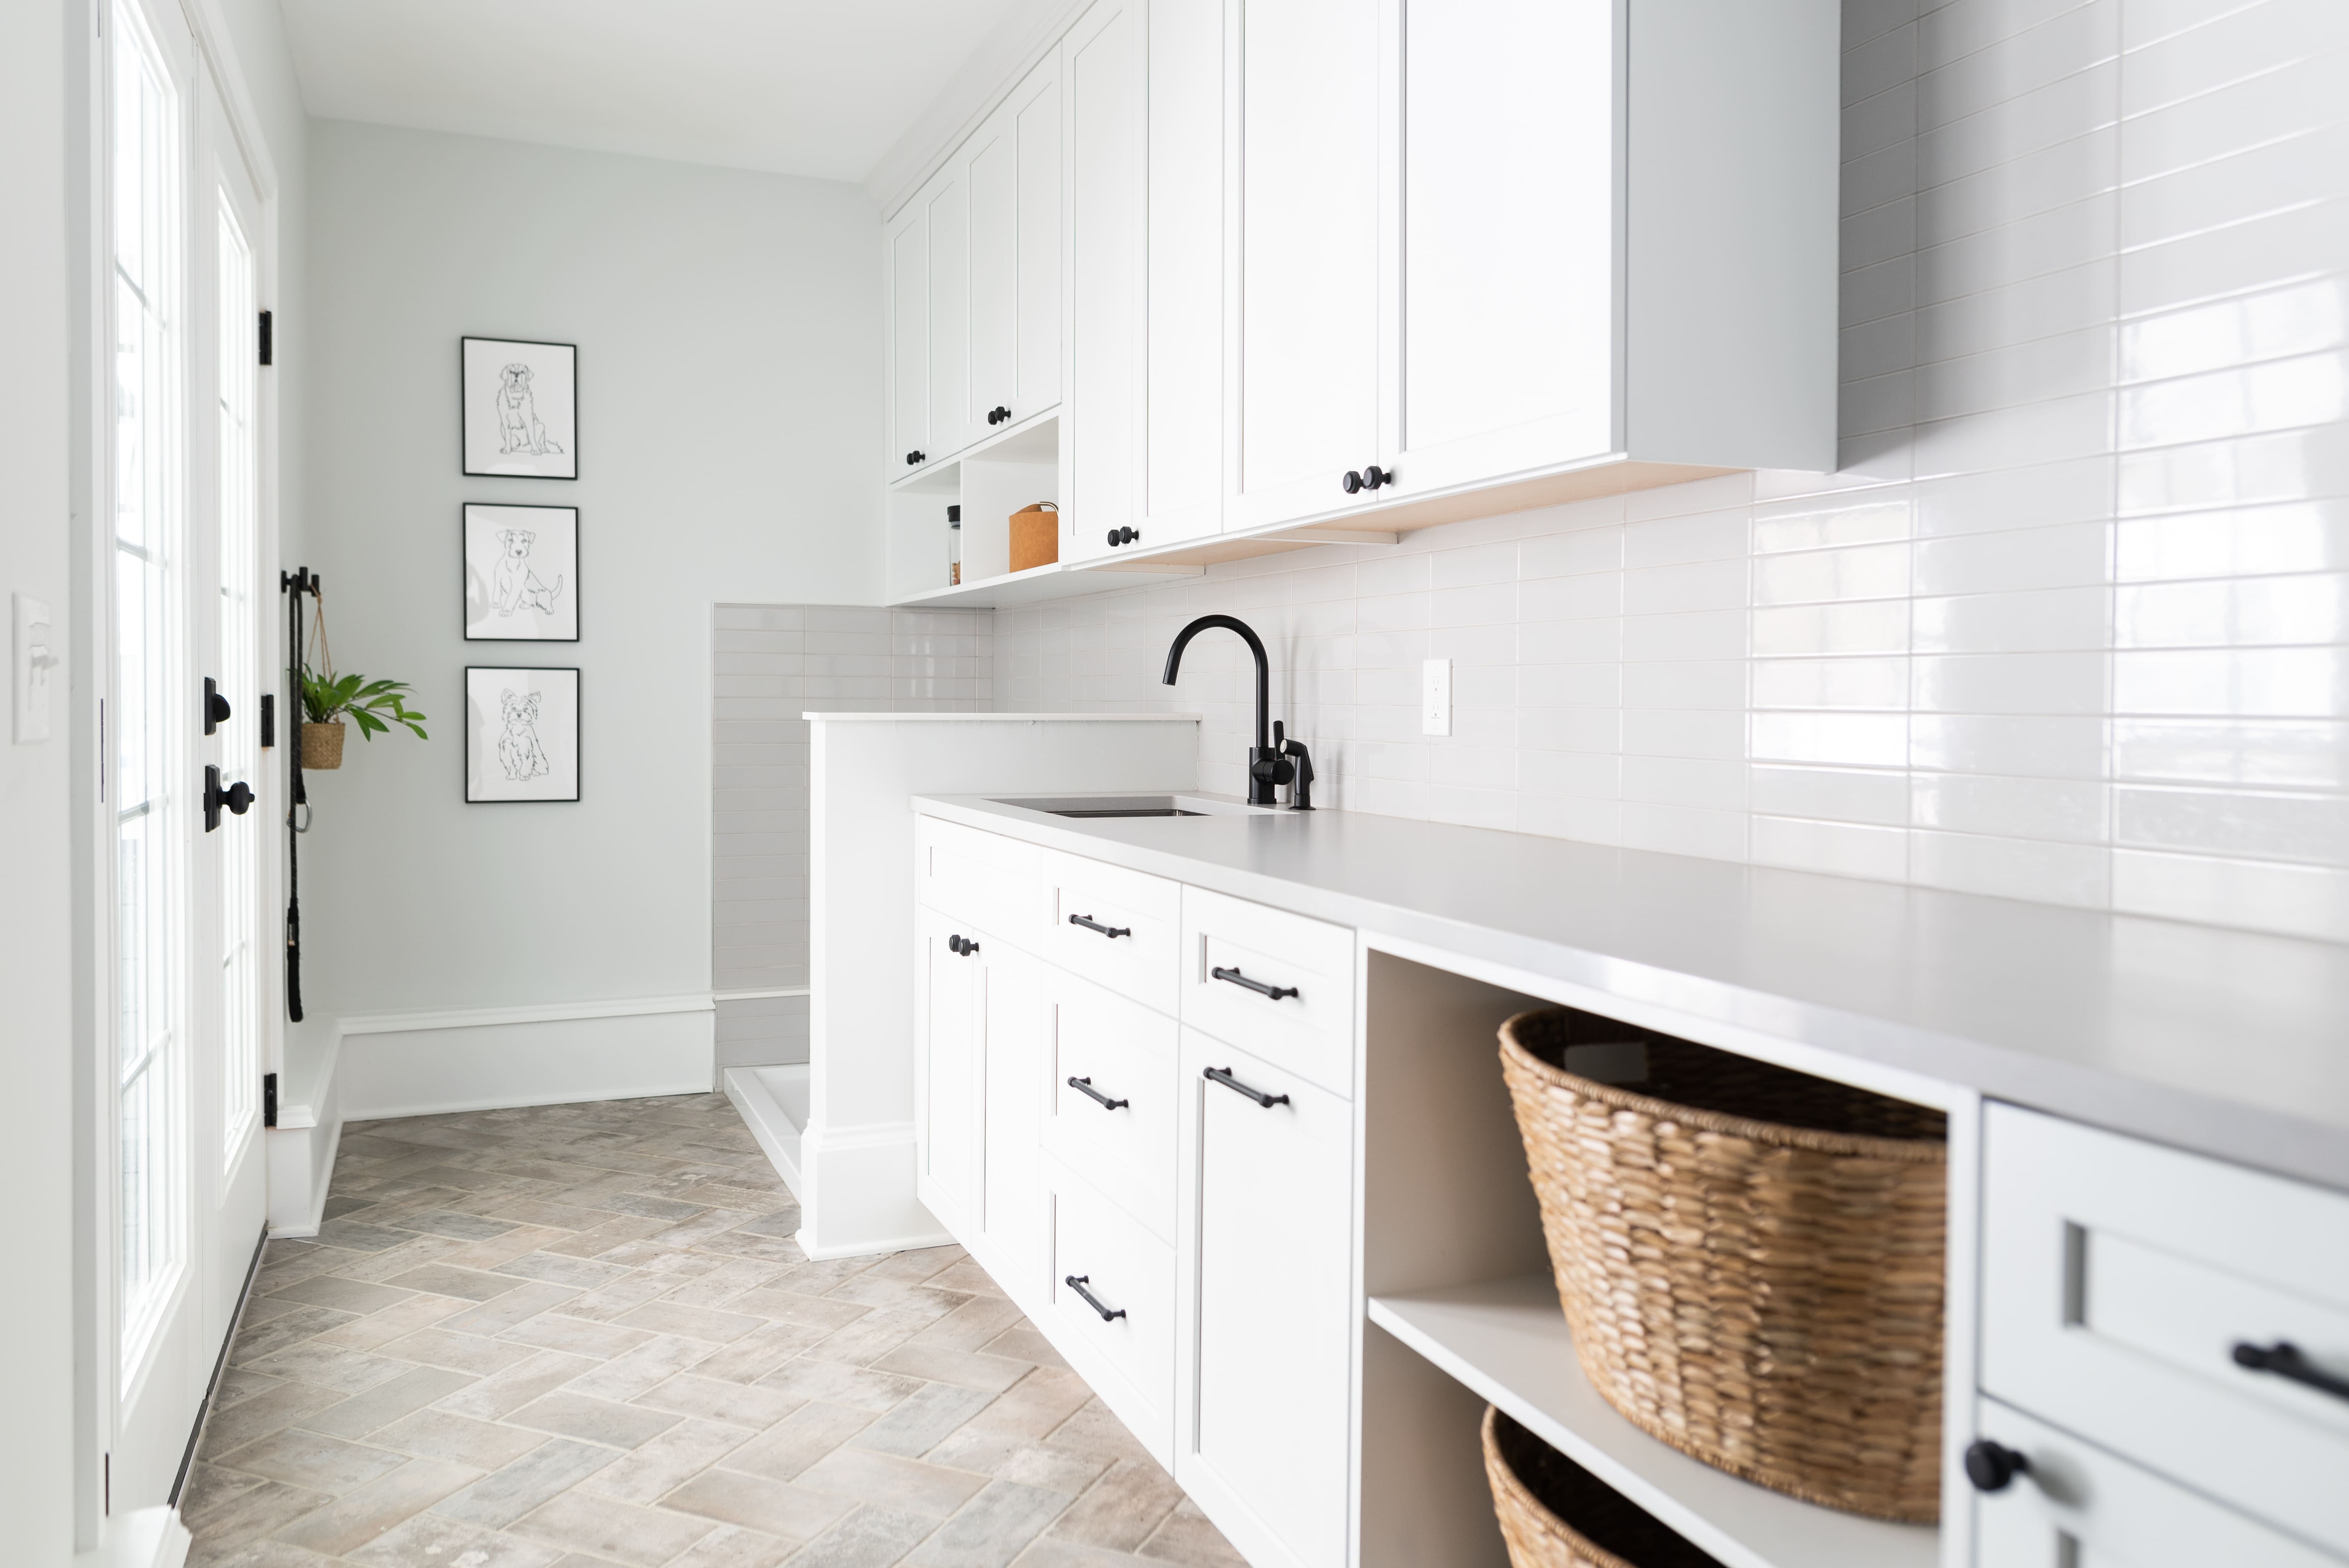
1750 1259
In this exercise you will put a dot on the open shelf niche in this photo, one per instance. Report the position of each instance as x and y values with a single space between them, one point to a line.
1461 1312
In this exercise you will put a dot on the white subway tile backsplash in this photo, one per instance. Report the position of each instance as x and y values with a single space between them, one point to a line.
2072 625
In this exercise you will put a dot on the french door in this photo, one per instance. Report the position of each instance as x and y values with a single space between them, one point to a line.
183 252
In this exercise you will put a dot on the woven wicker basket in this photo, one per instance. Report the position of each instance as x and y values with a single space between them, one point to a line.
1536 1489
1750 1259
322 746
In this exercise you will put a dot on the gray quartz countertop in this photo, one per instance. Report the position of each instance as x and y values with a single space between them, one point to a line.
2232 1043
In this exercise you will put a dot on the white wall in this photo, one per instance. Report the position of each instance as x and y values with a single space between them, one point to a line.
2073 624
729 333
36 1326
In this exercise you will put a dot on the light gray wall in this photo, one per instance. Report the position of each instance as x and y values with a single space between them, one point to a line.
2072 625
730 343
36 947
774 662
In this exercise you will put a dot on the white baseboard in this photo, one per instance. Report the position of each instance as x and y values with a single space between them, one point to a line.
770 1121
859 1192
149 1538
489 1058
301 1167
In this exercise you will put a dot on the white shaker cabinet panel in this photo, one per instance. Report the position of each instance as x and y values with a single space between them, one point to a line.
1509 141
947 206
1183 488
946 1070
2079 1507
1264 1293
1015 255
1103 66
1010 1212
1306 184
908 251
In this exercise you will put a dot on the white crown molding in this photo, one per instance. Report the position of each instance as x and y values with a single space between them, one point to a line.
1032 30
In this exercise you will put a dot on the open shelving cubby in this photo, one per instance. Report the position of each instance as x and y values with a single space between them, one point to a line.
1461 1312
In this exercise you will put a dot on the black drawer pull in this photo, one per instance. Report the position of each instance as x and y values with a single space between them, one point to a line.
1991 1465
2284 1358
1085 1085
1077 1283
1224 1076
1090 924
961 946
1258 987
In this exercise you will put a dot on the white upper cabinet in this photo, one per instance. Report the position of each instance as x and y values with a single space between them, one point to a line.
1015 255
947 204
1183 436
908 257
1303 184
1504 298
1104 65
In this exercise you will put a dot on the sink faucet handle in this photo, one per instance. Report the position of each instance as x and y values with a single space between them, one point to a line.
1300 798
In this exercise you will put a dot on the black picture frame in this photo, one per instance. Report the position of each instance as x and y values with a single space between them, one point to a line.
477 421
479 590
515 729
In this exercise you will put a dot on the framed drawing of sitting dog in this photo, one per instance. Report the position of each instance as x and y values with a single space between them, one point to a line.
521 734
521 407
521 573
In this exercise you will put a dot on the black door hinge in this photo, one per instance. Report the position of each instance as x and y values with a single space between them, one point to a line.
268 337
268 1099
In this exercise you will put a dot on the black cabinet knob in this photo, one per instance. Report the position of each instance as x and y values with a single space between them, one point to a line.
1352 481
961 945
997 415
1991 1466
1374 476
1118 536
912 458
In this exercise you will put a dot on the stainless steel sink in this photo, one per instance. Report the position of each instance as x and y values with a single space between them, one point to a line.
1130 806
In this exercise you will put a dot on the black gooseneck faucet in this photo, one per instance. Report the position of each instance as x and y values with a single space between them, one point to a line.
1270 759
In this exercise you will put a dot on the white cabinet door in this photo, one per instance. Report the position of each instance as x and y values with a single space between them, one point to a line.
1307 194
1102 75
1010 1212
1265 1290
1183 435
1509 147
946 202
906 250
1015 255
947 1072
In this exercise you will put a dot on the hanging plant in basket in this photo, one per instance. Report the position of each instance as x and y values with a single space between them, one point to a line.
374 705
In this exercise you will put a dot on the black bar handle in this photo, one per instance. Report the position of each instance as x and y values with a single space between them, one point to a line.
1258 987
1090 924
1085 1085
1077 1283
2284 1359
1224 1076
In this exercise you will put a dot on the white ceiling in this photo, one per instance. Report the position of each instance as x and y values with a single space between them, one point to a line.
821 87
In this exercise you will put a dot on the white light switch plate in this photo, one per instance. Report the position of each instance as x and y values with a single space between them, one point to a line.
1435 698
35 658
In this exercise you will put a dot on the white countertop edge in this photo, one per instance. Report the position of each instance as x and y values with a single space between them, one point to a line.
862 717
2176 1114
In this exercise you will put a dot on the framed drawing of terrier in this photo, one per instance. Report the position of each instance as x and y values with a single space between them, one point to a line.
522 409
521 734
521 573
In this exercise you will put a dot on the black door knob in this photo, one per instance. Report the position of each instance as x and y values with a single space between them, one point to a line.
1123 536
1991 1466
215 706
1374 476
237 798
1352 481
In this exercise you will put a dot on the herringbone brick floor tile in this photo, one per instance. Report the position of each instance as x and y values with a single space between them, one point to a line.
581 1337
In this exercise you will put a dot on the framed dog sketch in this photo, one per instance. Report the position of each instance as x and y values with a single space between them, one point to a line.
521 734
522 409
521 573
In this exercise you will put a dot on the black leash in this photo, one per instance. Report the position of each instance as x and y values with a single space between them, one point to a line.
293 584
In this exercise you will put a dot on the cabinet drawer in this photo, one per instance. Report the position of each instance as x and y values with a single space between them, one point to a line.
2118 1279
1124 1053
2079 1505
1125 1347
980 879
1115 927
1235 954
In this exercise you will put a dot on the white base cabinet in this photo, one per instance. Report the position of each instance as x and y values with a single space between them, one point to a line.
1264 1281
